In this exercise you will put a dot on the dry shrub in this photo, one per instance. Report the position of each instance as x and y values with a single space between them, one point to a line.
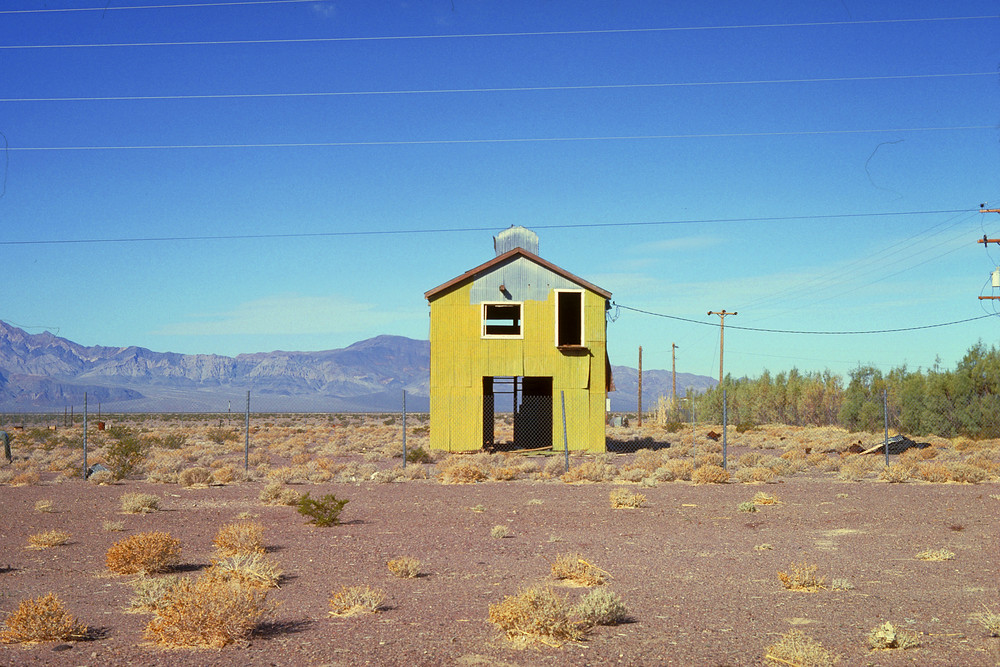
710 474
965 473
990 621
888 636
802 578
404 567
354 600
503 474
794 455
139 503
646 460
622 498
207 612
224 475
761 498
574 569
277 493
935 555
41 619
707 460
149 592
595 470
457 471
894 474
194 477
750 459
114 526
245 537
933 472
537 614
147 553
756 474
27 478
499 532
50 538
248 570
601 607
855 468
981 460
45 506
798 648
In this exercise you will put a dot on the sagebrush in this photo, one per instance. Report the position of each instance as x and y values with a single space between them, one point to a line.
41 619
148 553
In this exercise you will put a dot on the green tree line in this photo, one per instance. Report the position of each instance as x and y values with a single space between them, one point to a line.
964 401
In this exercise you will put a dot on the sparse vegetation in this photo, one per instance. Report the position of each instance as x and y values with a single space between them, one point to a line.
710 474
601 607
747 506
888 636
148 593
574 569
354 600
127 452
499 532
49 538
537 614
245 537
41 619
45 506
801 578
246 569
404 567
797 648
322 512
990 620
622 498
935 555
139 503
147 553
276 493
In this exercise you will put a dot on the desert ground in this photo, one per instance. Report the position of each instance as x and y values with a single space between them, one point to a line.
696 563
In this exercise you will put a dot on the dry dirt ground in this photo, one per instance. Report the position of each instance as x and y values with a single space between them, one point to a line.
695 571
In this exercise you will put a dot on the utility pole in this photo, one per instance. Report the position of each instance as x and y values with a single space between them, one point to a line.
722 333
986 244
673 365
640 386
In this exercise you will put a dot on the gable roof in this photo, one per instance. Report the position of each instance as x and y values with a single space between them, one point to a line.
472 274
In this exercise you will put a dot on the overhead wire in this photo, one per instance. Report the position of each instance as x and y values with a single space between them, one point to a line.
541 33
447 230
510 89
519 140
112 8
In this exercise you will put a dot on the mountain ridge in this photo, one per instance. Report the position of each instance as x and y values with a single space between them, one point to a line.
44 372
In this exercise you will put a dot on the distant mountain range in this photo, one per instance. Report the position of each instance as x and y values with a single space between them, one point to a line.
43 372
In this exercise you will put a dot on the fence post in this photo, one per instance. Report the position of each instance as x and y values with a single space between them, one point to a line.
404 428
562 396
246 442
724 420
885 421
85 435
694 421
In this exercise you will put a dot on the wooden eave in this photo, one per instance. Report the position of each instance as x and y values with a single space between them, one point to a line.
472 274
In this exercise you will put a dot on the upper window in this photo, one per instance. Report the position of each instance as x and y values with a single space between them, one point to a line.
569 318
502 320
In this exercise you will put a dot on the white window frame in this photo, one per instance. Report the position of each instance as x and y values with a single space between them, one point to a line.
520 319
583 310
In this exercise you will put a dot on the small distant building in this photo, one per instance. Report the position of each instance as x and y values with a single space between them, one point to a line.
518 331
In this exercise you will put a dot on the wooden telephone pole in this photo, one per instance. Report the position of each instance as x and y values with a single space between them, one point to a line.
986 243
722 333
639 411
673 366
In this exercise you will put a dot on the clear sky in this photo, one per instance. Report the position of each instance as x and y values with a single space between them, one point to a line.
226 177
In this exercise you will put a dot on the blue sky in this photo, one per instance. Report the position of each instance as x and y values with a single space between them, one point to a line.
815 166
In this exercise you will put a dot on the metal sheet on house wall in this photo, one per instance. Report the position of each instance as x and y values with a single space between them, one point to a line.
523 279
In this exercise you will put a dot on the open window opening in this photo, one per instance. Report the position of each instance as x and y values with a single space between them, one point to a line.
502 320
569 319
517 413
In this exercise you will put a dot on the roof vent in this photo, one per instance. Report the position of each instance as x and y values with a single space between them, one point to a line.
515 236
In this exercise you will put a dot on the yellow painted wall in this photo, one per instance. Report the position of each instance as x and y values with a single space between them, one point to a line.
460 358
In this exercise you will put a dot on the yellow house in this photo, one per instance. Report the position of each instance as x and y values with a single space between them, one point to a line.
521 335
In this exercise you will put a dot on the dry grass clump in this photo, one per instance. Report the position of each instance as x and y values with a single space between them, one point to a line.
458 470
41 619
710 474
622 498
207 612
147 553
990 621
248 570
598 469
797 648
761 498
27 478
139 503
855 468
148 593
45 506
277 493
802 578
895 473
354 600
404 567
50 538
673 470
197 476
499 532
966 474
935 555
114 526
601 607
244 537
887 636
537 614
755 474
574 569
933 471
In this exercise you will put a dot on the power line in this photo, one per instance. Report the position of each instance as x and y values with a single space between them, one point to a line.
523 140
517 89
809 333
593 225
179 6
547 33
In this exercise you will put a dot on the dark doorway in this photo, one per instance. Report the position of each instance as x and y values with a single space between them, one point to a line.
517 413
